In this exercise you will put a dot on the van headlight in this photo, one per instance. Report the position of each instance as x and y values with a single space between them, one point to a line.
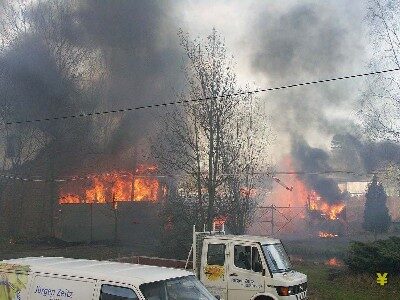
291 290
284 290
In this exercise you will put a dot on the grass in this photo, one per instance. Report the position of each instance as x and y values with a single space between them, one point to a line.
317 248
98 252
325 282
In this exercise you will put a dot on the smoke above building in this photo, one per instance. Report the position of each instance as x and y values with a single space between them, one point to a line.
80 56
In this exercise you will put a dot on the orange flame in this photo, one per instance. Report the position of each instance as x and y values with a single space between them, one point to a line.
119 186
219 222
283 197
145 189
330 211
302 193
97 193
334 262
69 198
326 235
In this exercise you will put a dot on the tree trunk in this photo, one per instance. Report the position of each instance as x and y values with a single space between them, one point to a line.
210 211
198 176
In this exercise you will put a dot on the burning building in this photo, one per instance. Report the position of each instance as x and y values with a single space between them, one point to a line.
117 205
116 186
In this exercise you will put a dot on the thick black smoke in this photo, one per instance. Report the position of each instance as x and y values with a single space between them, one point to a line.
353 154
74 57
303 39
135 44
368 156
32 85
314 160
139 42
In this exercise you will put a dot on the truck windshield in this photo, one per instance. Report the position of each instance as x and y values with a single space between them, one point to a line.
277 259
184 288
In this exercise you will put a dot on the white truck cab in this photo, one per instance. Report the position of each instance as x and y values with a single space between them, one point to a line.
57 278
243 267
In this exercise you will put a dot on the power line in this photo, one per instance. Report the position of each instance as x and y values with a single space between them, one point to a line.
242 93
74 178
269 174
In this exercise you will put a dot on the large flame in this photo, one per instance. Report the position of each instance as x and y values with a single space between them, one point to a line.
330 211
282 197
118 186
303 194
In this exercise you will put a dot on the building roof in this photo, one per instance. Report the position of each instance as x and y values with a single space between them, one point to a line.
246 238
103 270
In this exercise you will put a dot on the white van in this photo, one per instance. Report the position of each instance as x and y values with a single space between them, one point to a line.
57 278
245 267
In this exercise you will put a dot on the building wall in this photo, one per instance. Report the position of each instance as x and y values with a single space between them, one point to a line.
137 222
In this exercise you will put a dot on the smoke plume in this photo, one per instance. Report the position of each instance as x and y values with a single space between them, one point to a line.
311 41
364 155
314 160
304 42
89 56
139 44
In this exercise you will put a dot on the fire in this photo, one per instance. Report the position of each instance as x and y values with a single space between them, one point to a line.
330 211
297 196
333 210
97 193
145 188
334 262
119 186
298 201
122 187
69 198
326 235
302 192
219 223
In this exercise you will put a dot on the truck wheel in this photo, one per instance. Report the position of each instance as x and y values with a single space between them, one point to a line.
263 298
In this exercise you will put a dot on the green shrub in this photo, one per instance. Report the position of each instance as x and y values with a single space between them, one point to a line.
379 256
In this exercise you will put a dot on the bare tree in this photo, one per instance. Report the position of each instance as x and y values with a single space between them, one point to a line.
380 108
213 141
244 153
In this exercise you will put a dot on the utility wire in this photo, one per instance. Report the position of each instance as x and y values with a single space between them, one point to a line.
242 93
269 174
74 178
